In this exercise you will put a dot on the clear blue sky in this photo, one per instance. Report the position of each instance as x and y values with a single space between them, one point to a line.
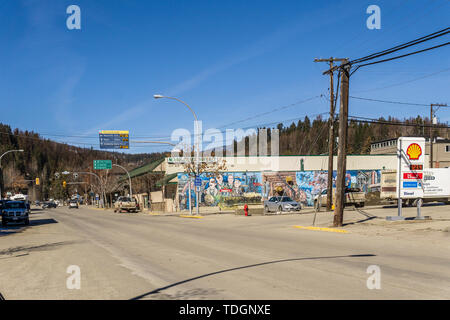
229 60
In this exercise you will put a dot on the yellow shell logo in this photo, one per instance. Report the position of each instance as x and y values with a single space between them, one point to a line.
414 151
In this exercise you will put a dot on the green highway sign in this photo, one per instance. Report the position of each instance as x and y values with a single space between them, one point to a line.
102 164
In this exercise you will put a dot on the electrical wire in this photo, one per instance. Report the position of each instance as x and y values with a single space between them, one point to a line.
404 82
371 120
394 102
404 55
414 42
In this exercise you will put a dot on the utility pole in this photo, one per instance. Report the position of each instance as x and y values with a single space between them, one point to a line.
432 114
330 132
342 148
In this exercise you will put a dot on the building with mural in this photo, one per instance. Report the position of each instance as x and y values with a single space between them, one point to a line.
255 179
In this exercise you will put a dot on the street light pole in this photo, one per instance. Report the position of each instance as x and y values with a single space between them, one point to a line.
1 169
197 147
129 178
101 185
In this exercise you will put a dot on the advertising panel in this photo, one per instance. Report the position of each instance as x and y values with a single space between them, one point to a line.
411 157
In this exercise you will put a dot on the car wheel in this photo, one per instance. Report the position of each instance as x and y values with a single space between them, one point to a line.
280 209
4 223
266 209
27 221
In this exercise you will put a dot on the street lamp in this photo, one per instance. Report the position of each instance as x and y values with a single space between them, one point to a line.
102 187
196 134
129 178
1 169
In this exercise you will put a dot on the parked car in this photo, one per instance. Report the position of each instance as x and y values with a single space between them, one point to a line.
49 204
353 196
280 204
15 211
73 204
125 203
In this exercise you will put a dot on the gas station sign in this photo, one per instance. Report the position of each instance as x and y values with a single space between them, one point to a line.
411 157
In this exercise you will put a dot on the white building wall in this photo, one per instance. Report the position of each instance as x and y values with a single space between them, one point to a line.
293 163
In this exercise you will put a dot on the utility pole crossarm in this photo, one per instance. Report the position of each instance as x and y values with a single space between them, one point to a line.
331 60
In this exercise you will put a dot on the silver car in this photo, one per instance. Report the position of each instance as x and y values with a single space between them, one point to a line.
73 204
279 204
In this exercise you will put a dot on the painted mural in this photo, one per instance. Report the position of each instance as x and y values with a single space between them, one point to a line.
310 183
233 188
224 189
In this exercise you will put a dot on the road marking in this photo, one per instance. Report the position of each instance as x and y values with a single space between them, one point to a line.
322 229
195 217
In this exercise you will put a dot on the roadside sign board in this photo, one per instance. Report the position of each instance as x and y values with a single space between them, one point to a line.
198 182
102 164
411 157
114 139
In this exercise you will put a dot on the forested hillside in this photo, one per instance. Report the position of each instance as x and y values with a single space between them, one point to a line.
311 137
42 158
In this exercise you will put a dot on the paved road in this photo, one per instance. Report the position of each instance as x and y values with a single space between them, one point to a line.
123 256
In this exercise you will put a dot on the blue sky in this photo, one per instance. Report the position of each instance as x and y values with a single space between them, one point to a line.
230 60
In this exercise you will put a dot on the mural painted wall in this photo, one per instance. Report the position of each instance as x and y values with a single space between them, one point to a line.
233 188
224 189
310 183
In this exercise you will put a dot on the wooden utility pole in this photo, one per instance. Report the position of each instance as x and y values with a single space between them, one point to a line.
342 148
330 132
432 113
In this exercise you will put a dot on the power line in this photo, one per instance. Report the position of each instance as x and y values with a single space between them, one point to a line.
408 81
428 37
371 120
404 55
394 49
272 111
394 102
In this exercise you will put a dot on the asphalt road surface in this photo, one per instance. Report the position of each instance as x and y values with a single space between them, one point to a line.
138 256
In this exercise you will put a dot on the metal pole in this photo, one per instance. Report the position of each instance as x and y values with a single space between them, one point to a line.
190 198
399 176
196 137
197 193
101 184
431 136
129 178
419 206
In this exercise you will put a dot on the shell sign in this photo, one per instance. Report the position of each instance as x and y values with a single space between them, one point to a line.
414 151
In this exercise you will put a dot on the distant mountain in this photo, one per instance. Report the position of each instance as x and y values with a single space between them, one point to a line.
42 158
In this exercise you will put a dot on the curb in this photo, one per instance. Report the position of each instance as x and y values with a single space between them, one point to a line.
322 229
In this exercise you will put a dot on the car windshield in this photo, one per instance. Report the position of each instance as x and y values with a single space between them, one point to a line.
126 199
286 199
15 205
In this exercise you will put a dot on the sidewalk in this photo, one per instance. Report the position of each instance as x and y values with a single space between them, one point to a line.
372 221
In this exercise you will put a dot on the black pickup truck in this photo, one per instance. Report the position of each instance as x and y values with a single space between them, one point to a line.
15 211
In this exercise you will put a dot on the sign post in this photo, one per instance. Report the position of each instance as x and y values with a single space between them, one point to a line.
411 159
